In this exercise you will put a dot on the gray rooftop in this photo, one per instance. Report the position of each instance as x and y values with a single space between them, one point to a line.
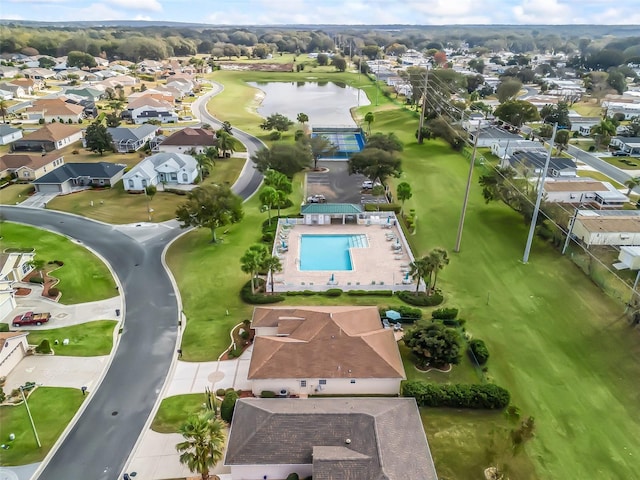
123 134
536 159
76 170
497 133
343 438
7 129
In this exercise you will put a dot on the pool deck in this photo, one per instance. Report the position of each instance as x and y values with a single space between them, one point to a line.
377 267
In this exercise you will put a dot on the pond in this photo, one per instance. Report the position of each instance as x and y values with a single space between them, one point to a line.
325 103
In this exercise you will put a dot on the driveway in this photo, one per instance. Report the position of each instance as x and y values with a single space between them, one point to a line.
38 200
335 183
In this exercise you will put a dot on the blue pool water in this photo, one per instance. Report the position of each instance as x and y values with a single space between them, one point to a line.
329 252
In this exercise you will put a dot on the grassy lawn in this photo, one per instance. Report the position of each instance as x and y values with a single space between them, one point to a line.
115 205
462 373
619 162
587 109
83 277
52 410
86 340
556 341
174 411
14 194
599 176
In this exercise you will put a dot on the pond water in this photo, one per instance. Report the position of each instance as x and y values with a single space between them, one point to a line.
325 103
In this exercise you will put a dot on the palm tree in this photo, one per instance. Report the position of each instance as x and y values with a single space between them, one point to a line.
438 259
38 265
272 265
203 446
369 118
226 143
205 164
269 197
418 270
302 118
631 184
251 262
603 131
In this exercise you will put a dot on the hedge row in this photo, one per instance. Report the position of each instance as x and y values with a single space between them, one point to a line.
444 313
258 298
382 207
487 396
420 299
364 293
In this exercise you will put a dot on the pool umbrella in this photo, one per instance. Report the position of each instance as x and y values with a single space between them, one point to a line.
393 315
406 277
388 219
332 278
284 245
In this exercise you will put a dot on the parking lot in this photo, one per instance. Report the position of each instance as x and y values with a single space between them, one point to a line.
336 184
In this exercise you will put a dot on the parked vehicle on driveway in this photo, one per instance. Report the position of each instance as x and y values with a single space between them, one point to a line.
31 318
316 199
620 153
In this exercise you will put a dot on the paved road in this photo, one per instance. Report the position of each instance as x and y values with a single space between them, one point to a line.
102 439
250 178
530 92
600 165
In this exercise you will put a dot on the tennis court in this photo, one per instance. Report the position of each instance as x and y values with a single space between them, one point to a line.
348 141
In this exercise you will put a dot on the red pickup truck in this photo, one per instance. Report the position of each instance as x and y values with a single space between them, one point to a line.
30 318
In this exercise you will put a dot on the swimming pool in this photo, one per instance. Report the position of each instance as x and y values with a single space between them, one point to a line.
329 252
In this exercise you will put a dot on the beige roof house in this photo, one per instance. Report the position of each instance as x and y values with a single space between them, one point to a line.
49 137
29 166
54 109
324 350
198 139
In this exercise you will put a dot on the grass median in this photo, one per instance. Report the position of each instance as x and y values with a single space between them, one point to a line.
83 277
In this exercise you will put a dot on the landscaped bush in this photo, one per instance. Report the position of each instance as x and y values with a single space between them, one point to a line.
268 237
333 292
258 298
444 313
293 476
36 280
364 293
479 350
228 405
176 191
275 135
382 207
4 327
244 334
267 394
235 353
44 347
454 322
420 299
592 148
3 396
487 396
54 292
220 392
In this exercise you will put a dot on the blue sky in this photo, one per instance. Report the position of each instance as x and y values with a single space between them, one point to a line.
269 12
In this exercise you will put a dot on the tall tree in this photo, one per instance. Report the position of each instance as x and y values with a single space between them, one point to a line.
285 158
438 259
203 445
369 118
276 121
602 132
210 206
302 118
631 184
269 197
97 138
517 112
375 164
281 183
271 264
204 164
508 89
562 140
434 345
113 120
225 142
419 271
319 146
340 63
3 109
388 142
251 262
403 192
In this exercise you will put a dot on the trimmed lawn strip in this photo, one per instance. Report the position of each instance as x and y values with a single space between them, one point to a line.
83 277
85 340
619 162
14 194
174 411
599 176
52 410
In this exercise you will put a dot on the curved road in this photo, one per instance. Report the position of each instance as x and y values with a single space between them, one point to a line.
100 442
102 439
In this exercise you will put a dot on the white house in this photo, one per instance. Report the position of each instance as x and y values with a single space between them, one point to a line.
328 438
583 190
9 134
616 227
323 350
629 110
630 145
146 108
13 348
14 266
491 135
629 257
161 168
7 299
508 148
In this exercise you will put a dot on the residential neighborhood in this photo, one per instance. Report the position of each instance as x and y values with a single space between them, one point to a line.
305 250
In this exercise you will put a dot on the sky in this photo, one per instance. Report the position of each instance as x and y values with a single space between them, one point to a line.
367 12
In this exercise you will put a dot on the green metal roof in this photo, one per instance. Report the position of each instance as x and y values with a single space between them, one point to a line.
331 209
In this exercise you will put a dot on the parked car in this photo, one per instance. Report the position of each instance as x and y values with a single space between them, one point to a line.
31 318
316 199
369 184
620 153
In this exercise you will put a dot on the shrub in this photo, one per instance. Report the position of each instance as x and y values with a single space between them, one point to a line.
267 394
444 313
486 396
176 191
4 327
54 292
364 293
298 135
44 347
244 334
293 476
268 237
382 207
36 280
479 350
3 396
453 322
275 135
333 292
75 152
409 312
58 262
228 405
258 298
220 392
420 299
592 148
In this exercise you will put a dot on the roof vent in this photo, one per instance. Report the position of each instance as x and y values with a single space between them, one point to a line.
347 441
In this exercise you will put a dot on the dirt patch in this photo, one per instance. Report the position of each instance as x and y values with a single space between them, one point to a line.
22 292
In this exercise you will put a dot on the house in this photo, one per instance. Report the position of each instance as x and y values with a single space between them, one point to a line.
50 137
629 258
28 167
161 168
38 73
326 213
583 190
490 135
531 164
16 90
323 350
189 139
79 176
329 439
143 109
54 110
613 227
583 124
9 134
29 85
7 299
629 110
7 71
503 150
14 266
131 139
92 94
89 107
13 348
630 145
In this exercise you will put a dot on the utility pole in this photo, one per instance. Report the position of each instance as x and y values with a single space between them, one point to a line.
424 106
536 210
571 224
466 192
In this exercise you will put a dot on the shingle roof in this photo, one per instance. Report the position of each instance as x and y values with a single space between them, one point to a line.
611 224
575 186
75 170
53 132
55 106
338 342
331 209
7 130
147 167
538 159
18 160
192 136
120 134
342 438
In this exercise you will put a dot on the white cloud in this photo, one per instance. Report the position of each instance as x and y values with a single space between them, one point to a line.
538 12
149 5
